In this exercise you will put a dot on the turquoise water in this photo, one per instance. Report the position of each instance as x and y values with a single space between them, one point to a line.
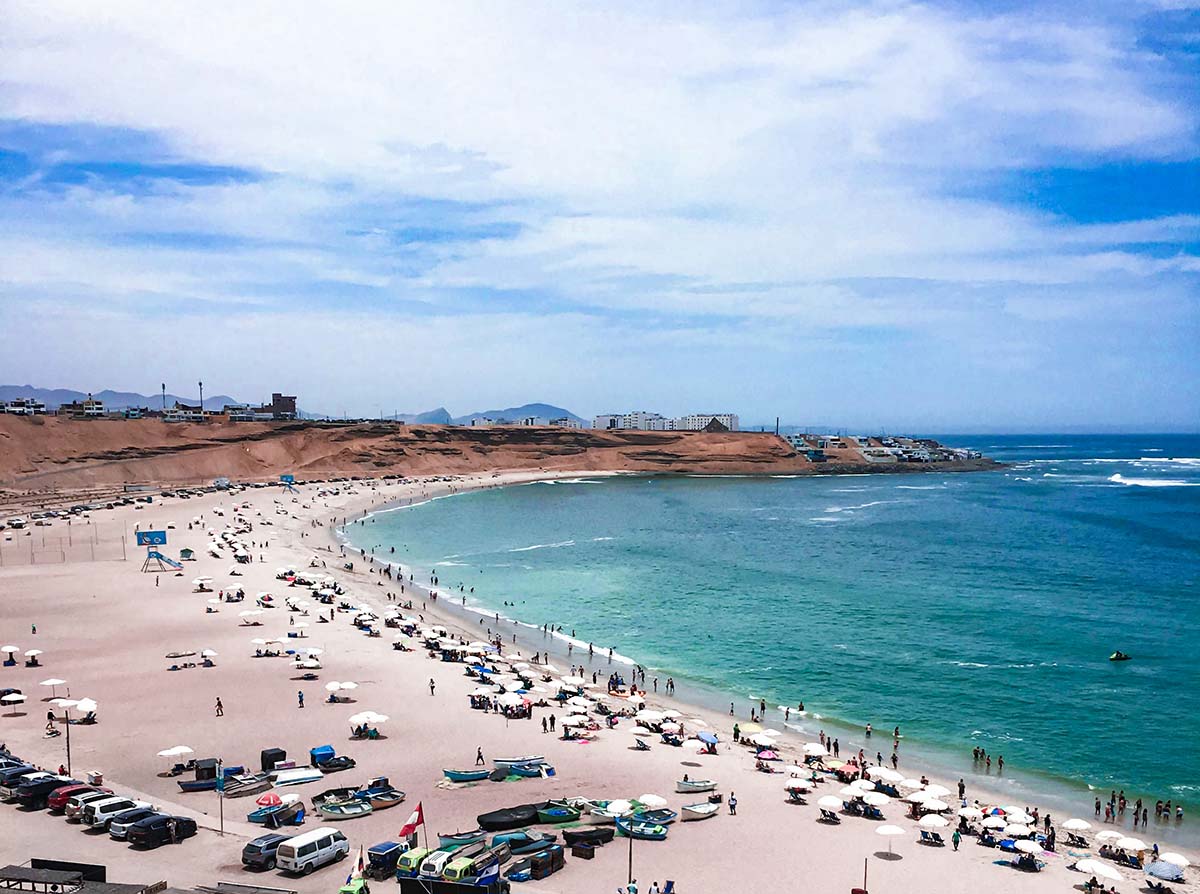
971 609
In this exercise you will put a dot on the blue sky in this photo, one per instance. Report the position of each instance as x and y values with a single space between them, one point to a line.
878 215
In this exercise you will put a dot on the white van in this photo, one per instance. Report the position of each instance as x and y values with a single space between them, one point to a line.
435 864
97 813
304 853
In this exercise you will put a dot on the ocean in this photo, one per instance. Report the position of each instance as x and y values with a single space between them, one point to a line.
974 609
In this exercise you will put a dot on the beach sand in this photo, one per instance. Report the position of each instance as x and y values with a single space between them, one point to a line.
105 626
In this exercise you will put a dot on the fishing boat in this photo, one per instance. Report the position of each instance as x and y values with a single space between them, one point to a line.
700 811
511 761
457 839
466 775
531 771
523 841
572 837
608 813
1120 656
334 796
558 812
289 813
662 816
197 785
339 810
298 776
694 786
244 784
643 831
380 793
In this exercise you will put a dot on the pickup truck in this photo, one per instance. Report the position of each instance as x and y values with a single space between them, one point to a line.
34 793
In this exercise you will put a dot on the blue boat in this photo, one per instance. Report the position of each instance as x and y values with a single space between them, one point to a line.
523 841
640 829
466 775
531 771
197 785
290 813
661 817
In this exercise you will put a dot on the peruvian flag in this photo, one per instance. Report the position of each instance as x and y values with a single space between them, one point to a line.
417 819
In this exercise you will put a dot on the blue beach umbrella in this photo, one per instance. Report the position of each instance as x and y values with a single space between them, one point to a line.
1168 872
707 738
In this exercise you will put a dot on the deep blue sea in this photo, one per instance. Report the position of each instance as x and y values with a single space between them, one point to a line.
970 609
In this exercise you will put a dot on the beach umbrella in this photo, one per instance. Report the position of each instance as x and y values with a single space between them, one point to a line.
750 728
32 653
654 802
1097 868
63 702
349 684
86 704
1028 847
994 822
886 774
208 653
620 807
574 680
1130 844
971 813
1019 817
14 699
762 740
933 821
707 738
1168 872
937 791
1109 835
648 716
53 683
889 832
333 686
910 783
1076 825
1017 830
935 805
865 784
1178 859
674 714
815 749
10 648
573 720
829 802
913 797
879 799
580 702
851 792
798 785
270 799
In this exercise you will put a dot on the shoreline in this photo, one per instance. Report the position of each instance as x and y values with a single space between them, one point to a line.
1071 797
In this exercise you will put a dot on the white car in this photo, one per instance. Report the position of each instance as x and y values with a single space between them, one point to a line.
97 813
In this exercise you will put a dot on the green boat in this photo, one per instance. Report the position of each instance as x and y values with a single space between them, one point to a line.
558 812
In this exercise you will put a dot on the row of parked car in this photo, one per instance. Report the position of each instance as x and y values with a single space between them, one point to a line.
92 806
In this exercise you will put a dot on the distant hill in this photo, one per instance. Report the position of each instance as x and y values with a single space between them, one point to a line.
113 400
516 414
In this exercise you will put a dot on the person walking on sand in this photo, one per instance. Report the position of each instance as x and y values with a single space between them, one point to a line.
732 804
956 839
432 685
300 698
220 708
479 761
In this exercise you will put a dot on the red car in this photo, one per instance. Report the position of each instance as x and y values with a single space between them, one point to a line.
59 797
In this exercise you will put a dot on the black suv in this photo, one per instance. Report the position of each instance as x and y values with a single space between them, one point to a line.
156 830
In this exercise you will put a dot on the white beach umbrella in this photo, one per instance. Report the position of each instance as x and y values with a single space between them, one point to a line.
349 684
1177 859
935 805
887 774
1019 817
762 740
910 783
32 653
63 702
889 832
1026 846
10 648
1076 825
574 680
648 716
1109 835
53 683
208 653
511 700
573 720
1130 844
914 797
1095 867
851 792
994 822
86 704
620 807
937 791
798 785
865 784
815 749
829 802
933 821
879 799
13 698
333 686
673 714
1017 830
580 702
654 802
971 813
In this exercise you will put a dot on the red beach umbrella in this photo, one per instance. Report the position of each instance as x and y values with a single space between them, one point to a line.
270 799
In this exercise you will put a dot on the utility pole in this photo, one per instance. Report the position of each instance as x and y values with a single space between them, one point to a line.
164 398
201 401
67 716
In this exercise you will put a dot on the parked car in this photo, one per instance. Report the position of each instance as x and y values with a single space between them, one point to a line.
156 830
75 804
97 813
8 791
13 775
260 853
311 850
118 825
57 801
34 794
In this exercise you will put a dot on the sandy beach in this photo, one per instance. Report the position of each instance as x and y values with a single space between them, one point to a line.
104 626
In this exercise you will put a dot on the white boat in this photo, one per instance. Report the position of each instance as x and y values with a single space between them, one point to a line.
700 811
695 785
298 776
511 761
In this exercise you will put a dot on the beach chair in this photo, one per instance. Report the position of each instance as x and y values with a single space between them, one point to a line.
937 839
669 887
925 839
828 816
873 812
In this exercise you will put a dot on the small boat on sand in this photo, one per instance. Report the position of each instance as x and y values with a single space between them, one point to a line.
528 759
349 809
466 775
572 837
643 831
558 812
244 784
531 771
380 794
298 776
661 817
693 786
700 811
458 839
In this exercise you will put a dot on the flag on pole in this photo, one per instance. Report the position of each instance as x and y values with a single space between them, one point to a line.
417 819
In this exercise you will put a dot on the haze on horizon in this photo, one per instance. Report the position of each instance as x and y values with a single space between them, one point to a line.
924 217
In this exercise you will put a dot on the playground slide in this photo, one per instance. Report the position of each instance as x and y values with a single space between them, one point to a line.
160 557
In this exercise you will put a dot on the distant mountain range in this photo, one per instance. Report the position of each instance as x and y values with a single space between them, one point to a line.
113 400
120 400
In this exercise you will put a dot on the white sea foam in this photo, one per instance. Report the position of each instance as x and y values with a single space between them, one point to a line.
453 564
860 506
920 487
824 518
560 544
1178 460
1152 482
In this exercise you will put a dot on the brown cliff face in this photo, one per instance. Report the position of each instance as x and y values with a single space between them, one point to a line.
52 453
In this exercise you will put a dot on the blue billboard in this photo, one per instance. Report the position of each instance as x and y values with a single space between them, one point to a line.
288 479
151 538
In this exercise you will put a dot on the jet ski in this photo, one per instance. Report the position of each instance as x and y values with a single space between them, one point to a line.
1119 656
